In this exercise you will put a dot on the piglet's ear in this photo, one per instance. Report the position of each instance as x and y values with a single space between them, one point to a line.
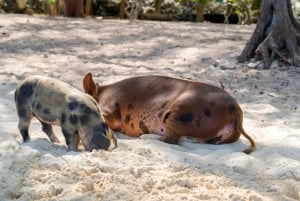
89 85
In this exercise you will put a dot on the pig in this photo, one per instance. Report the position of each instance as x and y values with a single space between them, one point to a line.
54 102
169 107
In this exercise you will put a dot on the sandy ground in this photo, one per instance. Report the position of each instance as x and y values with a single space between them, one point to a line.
146 168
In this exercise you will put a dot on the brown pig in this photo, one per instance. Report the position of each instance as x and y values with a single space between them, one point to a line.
169 107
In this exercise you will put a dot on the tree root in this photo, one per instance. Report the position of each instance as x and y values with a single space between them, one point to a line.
276 35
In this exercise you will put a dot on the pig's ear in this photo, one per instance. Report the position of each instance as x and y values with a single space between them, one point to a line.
89 85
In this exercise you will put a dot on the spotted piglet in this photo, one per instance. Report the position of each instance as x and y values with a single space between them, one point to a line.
54 102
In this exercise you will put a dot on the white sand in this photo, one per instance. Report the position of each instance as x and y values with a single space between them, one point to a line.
146 168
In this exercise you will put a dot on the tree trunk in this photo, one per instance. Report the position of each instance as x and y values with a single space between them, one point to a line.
53 9
200 12
21 4
122 9
277 34
73 8
89 7
132 9
157 6
60 6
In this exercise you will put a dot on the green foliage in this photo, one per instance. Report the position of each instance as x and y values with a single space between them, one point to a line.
255 5
203 1
251 4
246 10
52 1
194 1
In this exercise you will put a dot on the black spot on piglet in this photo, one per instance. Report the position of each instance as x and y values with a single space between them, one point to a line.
63 118
84 119
25 91
73 119
101 128
38 106
85 109
73 105
23 113
46 111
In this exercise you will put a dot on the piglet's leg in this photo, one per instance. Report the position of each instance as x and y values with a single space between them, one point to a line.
25 117
72 139
23 127
49 131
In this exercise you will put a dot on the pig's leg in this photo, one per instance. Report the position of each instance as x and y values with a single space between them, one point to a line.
25 116
23 127
72 138
23 96
47 128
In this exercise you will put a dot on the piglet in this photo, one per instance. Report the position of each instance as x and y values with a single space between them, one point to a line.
54 102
